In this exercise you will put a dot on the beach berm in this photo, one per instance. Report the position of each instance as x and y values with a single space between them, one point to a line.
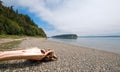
71 58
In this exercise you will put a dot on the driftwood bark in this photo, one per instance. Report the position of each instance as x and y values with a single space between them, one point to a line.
30 54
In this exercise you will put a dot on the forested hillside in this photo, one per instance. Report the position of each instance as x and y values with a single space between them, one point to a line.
13 23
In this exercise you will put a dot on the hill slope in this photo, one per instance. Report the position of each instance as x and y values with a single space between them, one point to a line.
13 23
66 36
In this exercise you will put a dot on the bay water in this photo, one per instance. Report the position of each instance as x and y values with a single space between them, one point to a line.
111 44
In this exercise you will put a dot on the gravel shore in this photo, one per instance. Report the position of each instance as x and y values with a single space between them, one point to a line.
71 58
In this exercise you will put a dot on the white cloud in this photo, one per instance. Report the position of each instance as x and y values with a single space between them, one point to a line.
84 17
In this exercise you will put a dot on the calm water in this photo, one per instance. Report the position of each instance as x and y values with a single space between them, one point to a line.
111 44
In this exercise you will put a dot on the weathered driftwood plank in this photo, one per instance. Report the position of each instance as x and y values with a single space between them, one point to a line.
31 54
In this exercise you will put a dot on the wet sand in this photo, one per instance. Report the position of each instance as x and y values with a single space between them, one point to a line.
71 58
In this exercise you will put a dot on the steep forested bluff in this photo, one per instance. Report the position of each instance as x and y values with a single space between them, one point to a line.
13 23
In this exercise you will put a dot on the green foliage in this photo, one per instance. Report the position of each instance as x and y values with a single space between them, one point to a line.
13 23
12 36
9 45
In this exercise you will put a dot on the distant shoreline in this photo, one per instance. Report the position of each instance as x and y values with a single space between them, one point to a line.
96 36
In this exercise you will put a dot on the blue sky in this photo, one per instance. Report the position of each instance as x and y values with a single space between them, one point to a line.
41 23
82 17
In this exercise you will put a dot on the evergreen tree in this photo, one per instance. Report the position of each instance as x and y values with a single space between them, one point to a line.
13 23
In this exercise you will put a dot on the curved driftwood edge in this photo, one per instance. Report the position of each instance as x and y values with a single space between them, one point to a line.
30 54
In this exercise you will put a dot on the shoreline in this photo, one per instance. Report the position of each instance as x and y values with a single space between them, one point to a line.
107 49
91 48
71 58
84 47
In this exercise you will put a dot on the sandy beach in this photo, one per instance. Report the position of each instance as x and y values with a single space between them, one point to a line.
71 58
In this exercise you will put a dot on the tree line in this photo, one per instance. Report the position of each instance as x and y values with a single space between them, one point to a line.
13 23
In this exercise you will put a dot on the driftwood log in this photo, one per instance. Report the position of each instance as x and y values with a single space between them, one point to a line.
30 54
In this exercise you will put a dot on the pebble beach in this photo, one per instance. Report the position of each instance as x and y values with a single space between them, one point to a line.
71 58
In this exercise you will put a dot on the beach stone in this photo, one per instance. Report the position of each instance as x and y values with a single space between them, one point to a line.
71 58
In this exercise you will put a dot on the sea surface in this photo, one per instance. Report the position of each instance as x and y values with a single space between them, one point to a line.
111 44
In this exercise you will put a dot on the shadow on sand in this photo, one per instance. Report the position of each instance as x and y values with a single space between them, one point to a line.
27 63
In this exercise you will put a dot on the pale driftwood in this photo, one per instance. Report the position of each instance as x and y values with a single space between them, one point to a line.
31 54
